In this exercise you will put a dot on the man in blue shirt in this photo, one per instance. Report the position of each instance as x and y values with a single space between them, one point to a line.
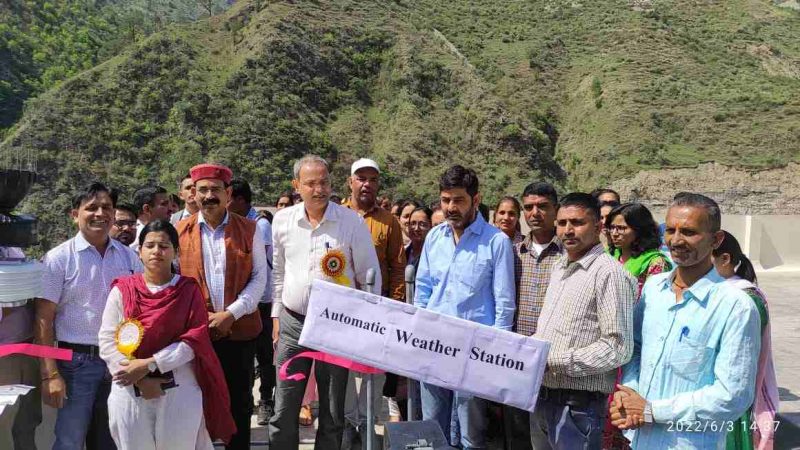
696 343
466 270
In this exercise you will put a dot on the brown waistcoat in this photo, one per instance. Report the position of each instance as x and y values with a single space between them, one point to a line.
238 265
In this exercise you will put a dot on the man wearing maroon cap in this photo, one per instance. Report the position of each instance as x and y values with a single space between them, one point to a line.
216 248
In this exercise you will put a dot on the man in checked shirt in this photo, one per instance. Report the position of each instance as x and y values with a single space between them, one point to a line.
587 318
534 259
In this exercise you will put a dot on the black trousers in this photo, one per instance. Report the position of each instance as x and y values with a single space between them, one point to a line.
265 353
237 359
517 427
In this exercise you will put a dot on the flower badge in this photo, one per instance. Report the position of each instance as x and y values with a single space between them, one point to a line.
333 265
129 336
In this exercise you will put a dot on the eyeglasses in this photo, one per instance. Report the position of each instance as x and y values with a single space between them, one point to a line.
419 225
618 229
125 223
216 190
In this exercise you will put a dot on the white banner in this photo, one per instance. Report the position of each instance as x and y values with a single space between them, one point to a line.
445 351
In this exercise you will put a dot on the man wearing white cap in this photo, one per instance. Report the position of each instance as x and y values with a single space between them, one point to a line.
387 237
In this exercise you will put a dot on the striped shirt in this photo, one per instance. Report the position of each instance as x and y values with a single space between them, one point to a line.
532 272
587 318
78 279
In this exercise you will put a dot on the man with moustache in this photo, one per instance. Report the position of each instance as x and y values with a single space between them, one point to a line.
186 193
466 270
534 259
697 343
75 285
224 252
304 235
124 228
387 237
151 203
586 317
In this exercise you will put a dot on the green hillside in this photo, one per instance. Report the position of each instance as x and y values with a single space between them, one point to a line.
640 84
43 42
580 93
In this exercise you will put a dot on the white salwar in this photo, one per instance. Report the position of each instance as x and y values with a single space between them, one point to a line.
173 421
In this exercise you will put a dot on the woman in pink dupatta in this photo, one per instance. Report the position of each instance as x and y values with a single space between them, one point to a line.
756 429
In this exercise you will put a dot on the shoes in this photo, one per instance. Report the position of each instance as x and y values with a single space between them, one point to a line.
264 412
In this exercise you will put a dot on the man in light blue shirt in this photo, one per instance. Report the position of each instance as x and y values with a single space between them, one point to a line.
466 270
696 343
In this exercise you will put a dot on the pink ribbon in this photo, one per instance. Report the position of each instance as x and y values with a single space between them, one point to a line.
39 351
323 357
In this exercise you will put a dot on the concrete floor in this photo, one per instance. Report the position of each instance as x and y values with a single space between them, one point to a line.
783 290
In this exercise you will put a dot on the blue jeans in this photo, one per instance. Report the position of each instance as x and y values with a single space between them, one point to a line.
84 417
556 425
439 403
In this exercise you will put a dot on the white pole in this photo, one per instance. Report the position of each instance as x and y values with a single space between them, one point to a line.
370 381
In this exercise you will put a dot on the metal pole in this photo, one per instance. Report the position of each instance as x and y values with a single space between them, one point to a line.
370 381
411 276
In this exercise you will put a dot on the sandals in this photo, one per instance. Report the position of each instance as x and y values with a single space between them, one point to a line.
306 416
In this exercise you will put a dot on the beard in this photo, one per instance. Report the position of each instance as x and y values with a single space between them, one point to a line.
461 221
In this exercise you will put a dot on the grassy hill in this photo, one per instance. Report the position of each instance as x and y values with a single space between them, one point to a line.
43 42
580 93
640 84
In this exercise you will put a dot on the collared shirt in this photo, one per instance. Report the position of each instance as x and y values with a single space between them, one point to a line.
214 263
587 318
300 247
78 279
695 361
473 280
264 227
388 240
532 273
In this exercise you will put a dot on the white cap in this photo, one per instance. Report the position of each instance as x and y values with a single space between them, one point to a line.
362 163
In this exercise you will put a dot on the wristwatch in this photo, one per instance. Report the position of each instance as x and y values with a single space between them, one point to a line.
152 366
648 413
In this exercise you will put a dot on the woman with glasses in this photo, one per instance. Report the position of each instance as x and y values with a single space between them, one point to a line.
506 218
635 241
419 224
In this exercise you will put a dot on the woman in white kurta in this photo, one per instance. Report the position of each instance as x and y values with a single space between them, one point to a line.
175 345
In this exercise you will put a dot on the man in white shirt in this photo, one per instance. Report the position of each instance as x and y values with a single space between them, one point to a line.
75 284
302 236
217 250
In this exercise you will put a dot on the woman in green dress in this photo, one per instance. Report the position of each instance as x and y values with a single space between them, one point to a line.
635 242
756 428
